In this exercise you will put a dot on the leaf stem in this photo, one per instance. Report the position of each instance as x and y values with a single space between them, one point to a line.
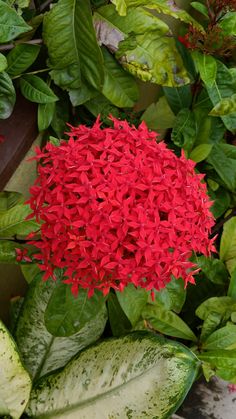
7 47
32 72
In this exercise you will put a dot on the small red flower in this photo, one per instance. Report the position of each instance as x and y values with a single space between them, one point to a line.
22 255
116 207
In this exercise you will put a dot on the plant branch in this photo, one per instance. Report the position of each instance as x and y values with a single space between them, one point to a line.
45 5
7 47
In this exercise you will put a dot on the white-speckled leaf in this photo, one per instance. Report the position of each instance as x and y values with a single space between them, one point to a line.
42 352
137 376
15 383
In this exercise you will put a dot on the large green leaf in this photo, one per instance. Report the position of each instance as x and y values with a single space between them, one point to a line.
178 97
221 201
224 166
226 106
132 301
41 351
3 62
210 324
232 285
137 376
72 46
167 322
224 338
15 383
83 94
11 24
66 314
21 57
222 361
207 67
158 115
136 38
228 23
228 244
13 222
221 305
184 130
36 90
224 87
8 251
119 86
201 152
213 268
45 115
119 322
7 95
172 297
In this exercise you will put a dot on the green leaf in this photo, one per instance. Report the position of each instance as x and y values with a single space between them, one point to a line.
228 24
132 301
232 286
223 361
221 305
13 222
201 152
36 90
210 324
200 8
225 167
184 131
121 6
119 86
226 106
3 62
135 38
61 115
30 271
221 201
72 47
123 367
207 67
8 251
7 95
119 322
213 268
223 87
167 322
172 297
66 314
10 199
228 244
45 115
21 57
224 338
83 94
41 351
15 382
103 107
178 97
11 24
159 115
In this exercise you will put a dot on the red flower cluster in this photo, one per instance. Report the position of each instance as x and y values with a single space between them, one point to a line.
117 207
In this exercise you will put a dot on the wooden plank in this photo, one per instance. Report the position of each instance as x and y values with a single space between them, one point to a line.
19 130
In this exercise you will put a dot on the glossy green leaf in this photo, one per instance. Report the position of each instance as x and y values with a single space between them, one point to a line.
66 314
13 222
100 105
224 166
10 199
167 322
15 383
135 38
132 301
223 87
184 131
36 90
41 351
123 367
119 322
3 62
221 305
172 297
213 268
45 115
159 115
228 23
223 338
7 95
178 97
210 324
119 86
121 6
30 271
61 114
207 67
221 201
72 46
232 286
200 152
83 94
223 361
11 24
200 8
21 57
226 106
228 244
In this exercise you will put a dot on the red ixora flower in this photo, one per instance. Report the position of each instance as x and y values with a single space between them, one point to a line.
116 207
